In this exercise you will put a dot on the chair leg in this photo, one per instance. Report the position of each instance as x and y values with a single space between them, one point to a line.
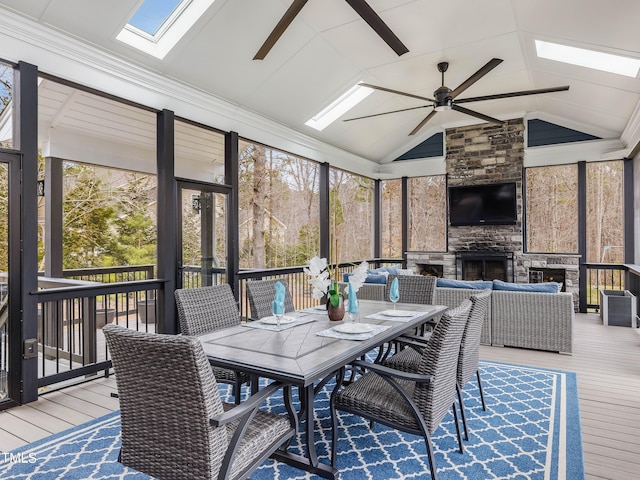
432 457
334 417
458 433
237 388
484 406
462 414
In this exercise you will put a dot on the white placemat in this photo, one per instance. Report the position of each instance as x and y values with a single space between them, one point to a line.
283 326
382 316
376 329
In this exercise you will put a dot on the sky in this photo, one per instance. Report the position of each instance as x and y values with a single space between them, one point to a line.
152 14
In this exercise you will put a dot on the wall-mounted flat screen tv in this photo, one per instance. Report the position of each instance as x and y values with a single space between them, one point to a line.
491 204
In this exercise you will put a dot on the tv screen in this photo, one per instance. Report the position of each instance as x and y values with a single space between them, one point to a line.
492 204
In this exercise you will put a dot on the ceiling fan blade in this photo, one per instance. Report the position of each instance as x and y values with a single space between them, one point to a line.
513 94
279 29
490 65
481 116
423 122
384 89
367 13
386 113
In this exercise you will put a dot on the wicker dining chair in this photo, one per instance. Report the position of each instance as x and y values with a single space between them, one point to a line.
411 402
173 422
207 309
408 359
413 288
261 293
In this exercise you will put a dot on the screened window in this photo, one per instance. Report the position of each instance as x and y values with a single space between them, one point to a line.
605 212
391 218
350 216
279 208
108 153
552 209
428 213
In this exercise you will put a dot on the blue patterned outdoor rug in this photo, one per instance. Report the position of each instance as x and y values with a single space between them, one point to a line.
530 431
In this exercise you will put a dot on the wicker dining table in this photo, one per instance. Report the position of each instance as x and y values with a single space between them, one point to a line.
303 354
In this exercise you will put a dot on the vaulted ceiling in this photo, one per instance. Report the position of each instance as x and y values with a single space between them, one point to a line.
328 48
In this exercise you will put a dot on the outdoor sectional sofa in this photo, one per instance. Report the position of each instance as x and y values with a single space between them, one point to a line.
516 317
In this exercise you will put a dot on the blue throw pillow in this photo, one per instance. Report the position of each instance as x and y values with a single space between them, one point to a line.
373 278
475 284
545 287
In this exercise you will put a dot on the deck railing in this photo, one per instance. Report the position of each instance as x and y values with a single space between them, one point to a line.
71 314
602 276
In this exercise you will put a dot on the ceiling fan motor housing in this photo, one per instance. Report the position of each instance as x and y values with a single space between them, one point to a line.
443 100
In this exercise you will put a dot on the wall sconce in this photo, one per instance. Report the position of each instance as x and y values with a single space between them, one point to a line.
41 188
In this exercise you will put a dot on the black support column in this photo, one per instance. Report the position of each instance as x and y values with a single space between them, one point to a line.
325 234
167 222
629 237
232 178
377 219
26 141
582 234
405 220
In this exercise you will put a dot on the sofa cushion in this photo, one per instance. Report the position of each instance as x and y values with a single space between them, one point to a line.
474 284
405 271
544 287
370 278
383 271
373 278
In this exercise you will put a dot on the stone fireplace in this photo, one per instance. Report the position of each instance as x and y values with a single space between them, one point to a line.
482 154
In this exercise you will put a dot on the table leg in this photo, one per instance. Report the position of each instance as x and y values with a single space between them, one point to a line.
310 463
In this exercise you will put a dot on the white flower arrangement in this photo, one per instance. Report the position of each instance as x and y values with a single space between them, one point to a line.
323 284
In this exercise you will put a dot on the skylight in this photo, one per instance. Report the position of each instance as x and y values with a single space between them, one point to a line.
342 105
589 58
152 14
158 25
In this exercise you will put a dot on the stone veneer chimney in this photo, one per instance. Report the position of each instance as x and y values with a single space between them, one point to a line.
483 154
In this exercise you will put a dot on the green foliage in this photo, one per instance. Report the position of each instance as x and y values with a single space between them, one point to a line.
135 227
87 236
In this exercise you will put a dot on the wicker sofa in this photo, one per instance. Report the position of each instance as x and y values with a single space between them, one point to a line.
540 321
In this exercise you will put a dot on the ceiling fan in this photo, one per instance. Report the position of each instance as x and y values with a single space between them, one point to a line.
446 99
361 7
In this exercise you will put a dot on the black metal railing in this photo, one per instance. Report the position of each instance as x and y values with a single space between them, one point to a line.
601 276
71 314
126 273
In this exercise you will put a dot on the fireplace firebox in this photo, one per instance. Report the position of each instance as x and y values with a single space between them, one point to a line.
538 275
484 265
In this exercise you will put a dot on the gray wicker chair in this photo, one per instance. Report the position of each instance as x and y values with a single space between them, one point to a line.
261 293
413 288
411 402
174 425
207 309
407 360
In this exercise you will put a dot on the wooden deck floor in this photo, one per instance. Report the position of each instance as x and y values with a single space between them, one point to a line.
606 359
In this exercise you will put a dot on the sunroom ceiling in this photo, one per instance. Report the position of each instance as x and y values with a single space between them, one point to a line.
328 48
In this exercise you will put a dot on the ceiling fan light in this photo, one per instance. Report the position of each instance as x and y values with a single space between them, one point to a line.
444 105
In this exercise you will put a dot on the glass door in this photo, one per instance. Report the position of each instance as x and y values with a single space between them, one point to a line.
202 239
10 334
